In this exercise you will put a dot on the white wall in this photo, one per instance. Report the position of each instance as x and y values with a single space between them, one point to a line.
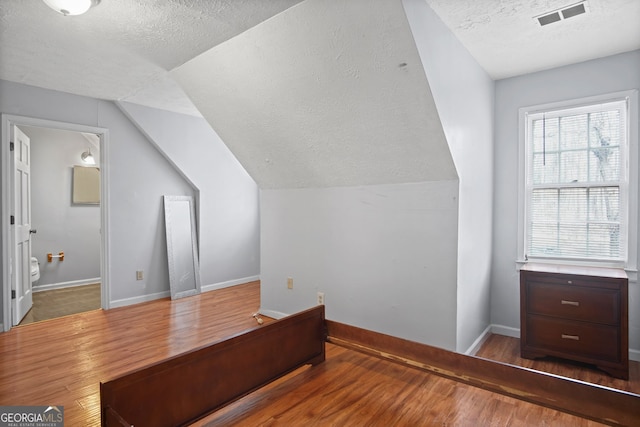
397 258
229 216
61 225
464 95
138 175
384 255
600 76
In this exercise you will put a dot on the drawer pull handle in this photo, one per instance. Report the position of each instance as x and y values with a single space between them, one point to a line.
574 303
570 337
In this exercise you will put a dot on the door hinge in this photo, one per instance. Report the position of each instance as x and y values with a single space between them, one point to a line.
13 294
13 220
11 146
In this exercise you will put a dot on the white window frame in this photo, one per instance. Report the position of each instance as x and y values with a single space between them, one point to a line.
629 206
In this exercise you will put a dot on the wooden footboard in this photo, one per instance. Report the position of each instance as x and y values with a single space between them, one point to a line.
184 388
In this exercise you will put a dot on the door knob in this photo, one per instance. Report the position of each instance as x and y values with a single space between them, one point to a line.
34 231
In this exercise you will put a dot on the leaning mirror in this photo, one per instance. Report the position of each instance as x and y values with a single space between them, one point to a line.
182 251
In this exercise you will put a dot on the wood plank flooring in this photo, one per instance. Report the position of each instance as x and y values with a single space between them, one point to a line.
352 389
507 350
63 302
62 361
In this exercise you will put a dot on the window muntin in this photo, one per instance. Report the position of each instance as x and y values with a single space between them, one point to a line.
576 183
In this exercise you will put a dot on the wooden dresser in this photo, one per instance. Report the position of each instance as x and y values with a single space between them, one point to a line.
577 313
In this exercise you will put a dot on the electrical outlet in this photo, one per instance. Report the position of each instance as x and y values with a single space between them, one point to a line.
289 282
320 298
139 275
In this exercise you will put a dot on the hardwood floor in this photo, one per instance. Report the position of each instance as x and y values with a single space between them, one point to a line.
62 361
353 389
63 302
507 350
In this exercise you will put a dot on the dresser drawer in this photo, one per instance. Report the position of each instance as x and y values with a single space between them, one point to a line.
574 302
574 338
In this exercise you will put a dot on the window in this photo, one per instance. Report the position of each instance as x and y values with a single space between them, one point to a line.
575 203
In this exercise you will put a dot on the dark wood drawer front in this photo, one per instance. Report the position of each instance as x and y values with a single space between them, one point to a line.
577 338
574 302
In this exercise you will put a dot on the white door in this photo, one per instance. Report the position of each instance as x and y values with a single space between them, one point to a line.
21 268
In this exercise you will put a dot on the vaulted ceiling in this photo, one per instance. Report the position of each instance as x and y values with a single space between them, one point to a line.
294 86
121 49
324 94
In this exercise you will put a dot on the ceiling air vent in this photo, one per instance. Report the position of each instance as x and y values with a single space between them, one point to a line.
562 13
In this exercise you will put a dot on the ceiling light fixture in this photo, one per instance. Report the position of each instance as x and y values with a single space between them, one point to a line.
71 7
87 157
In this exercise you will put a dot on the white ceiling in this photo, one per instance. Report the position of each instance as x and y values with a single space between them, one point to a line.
124 49
340 99
121 49
506 40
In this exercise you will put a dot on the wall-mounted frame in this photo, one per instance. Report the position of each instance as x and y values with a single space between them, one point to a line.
86 185
182 248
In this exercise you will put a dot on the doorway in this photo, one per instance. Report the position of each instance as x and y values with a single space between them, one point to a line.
65 219
93 140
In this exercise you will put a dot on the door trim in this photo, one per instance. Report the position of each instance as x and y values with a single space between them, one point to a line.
6 181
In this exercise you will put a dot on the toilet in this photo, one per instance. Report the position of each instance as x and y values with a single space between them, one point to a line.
35 269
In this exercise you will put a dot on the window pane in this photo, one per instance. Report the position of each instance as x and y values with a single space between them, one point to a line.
545 168
605 128
547 140
604 241
573 205
544 240
573 240
604 164
604 204
573 166
573 132
544 205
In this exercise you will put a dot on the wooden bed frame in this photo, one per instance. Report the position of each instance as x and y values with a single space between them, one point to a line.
598 403
187 387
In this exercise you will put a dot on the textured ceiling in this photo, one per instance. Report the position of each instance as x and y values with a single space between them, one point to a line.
312 93
121 49
506 40
325 94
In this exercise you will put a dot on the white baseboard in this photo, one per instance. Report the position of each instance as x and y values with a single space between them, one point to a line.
634 355
229 283
145 298
505 330
137 300
62 285
471 351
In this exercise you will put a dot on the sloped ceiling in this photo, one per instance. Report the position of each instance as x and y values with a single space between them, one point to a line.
324 94
121 49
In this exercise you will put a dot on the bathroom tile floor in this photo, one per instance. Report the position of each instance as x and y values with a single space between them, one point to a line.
63 302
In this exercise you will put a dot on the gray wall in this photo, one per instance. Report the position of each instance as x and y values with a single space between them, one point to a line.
384 255
229 220
464 96
601 76
139 175
61 226
410 260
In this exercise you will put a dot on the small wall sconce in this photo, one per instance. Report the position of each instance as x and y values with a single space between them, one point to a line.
87 157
